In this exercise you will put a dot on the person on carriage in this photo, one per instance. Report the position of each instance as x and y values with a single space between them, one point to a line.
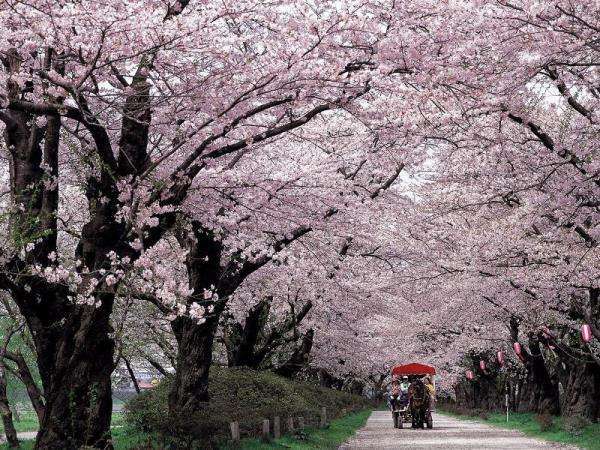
430 389
393 392
404 386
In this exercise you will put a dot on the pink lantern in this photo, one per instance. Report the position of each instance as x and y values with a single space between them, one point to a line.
469 374
586 333
482 365
517 348
501 358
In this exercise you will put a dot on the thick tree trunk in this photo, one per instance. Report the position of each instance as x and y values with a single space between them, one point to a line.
189 391
544 387
299 358
76 361
582 391
241 341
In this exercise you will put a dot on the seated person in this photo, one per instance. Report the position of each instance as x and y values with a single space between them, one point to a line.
404 391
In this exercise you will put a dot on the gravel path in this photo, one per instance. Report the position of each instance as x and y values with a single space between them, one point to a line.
447 433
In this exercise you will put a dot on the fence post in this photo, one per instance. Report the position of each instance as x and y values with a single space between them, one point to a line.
276 427
265 430
301 423
235 431
323 417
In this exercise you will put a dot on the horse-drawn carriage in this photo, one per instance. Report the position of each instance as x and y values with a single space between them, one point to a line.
416 405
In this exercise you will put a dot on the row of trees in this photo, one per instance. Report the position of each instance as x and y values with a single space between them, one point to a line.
510 208
169 167
362 181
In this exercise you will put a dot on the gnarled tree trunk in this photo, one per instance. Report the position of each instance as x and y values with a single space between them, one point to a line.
190 388
75 362
299 358
582 391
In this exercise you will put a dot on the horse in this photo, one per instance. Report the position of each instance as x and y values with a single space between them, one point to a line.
418 403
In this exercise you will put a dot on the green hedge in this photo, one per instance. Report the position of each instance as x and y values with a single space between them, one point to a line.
242 395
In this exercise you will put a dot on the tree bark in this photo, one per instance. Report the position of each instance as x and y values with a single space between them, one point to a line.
33 391
544 387
76 380
582 391
134 380
241 341
189 391
7 419
299 358
206 272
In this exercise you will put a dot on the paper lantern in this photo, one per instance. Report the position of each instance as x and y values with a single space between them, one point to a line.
517 348
469 374
586 333
482 365
501 358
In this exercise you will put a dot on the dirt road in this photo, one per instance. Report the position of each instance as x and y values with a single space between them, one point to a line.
447 433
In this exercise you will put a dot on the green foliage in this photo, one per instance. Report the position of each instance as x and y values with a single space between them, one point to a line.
575 425
242 395
546 421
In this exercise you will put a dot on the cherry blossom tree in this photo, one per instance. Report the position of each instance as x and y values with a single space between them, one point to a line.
122 124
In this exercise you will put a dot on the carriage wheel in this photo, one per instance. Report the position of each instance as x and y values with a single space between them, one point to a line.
429 420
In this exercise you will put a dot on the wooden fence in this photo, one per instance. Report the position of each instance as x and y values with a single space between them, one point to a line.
273 429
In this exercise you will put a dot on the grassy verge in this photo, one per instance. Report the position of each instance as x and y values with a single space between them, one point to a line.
587 437
29 422
312 438
340 430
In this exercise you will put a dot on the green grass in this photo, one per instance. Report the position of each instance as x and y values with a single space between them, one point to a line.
339 431
28 422
312 438
589 438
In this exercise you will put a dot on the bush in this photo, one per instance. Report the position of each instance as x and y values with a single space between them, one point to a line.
237 394
575 425
545 421
481 413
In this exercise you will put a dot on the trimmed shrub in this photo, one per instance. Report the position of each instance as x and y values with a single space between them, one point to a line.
546 421
242 395
575 425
